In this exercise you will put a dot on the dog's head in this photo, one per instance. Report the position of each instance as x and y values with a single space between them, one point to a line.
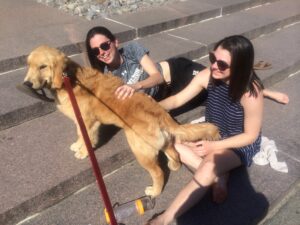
45 68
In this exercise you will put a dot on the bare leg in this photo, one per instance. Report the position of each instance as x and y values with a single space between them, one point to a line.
219 189
213 165
277 96
188 157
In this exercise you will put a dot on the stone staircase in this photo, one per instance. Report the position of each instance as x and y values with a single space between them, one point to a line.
37 168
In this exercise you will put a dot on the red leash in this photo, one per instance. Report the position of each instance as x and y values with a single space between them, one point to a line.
89 147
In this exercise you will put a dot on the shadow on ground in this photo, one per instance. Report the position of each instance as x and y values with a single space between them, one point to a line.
243 206
106 133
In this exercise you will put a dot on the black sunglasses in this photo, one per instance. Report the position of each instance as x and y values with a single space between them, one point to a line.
104 46
222 65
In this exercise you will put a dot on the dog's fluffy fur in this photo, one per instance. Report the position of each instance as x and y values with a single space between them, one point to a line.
148 127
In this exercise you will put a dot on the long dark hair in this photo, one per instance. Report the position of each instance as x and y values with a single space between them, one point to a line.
96 63
243 77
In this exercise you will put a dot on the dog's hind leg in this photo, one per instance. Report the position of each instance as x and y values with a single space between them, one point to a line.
147 156
173 157
150 163
157 175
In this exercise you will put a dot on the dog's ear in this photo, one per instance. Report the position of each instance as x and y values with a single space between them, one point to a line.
59 66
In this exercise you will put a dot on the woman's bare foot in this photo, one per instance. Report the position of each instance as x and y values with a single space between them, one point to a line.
219 189
156 220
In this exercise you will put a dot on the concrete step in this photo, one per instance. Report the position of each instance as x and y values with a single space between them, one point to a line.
39 170
183 41
253 192
61 30
286 211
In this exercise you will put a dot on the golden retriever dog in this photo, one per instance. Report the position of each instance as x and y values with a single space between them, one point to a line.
147 126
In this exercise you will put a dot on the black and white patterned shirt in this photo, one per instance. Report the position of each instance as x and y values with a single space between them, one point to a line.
131 70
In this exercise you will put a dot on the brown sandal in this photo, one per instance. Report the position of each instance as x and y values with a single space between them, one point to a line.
262 65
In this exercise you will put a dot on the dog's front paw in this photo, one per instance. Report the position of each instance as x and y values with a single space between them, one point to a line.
76 146
150 191
81 154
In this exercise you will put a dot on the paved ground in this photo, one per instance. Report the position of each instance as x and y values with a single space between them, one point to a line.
254 194
39 174
287 211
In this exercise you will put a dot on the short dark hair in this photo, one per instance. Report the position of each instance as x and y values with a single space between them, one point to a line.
96 63
243 77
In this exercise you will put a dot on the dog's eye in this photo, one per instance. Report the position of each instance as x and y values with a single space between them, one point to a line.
42 67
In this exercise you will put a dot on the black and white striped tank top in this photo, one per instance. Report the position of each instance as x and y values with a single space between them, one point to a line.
223 112
229 117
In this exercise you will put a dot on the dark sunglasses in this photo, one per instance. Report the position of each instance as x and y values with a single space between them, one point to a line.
220 63
104 46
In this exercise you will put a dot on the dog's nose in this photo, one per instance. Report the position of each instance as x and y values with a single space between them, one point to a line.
28 84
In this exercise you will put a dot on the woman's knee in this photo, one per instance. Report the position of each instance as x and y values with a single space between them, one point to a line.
208 166
206 173
187 156
220 162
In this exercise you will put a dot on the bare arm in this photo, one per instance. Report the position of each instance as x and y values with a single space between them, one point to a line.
199 82
154 78
253 114
277 96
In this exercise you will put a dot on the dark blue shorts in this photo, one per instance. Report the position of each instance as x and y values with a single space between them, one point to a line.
247 153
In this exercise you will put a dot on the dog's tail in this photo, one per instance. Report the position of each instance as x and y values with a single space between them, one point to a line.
190 132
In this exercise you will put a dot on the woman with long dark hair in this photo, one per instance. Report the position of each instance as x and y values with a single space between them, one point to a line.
235 105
